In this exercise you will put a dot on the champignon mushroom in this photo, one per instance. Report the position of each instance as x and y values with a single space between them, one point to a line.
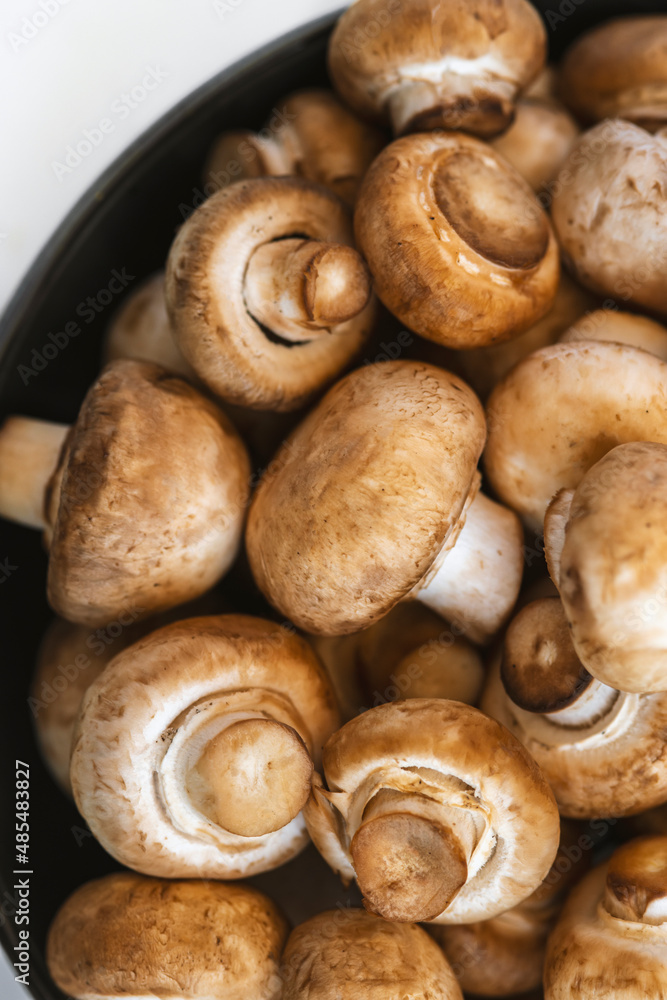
350 953
459 247
606 547
193 751
436 810
538 140
619 70
504 956
429 64
611 939
621 328
267 298
410 653
374 498
312 135
610 213
143 500
601 750
583 399
126 935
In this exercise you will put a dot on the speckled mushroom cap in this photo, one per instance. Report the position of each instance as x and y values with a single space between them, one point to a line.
619 70
583 399
130 936
621 328
601 750
193 750
365 494
148 501
611 938
459 247
437 810
609 562
350 954
429 64
206 297
611 215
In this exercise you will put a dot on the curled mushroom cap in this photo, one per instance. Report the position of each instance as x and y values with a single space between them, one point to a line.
611 938
126 935
607 551
374 498
619 70
312 135
142 500
538 140
194 749
343 954
621 328
267 298
601 750
583 399
459 247
436 810
429 64
610 213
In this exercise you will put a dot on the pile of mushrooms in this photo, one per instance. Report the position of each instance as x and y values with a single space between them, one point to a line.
386 676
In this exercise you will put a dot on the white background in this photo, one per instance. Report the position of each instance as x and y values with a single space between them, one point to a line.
67 77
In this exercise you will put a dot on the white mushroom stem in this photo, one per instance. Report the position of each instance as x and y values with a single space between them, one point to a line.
29 452
477 581
594 702
300 288
421 104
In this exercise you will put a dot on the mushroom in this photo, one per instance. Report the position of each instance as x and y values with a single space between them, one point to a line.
538 140
312 136
410 653
611 938
429 64
621 328
193 751
619 70
505 955
610 213
583 399
125 935
436 810
351 953
141 501
374 498
601 750
606 548
459 247
267 298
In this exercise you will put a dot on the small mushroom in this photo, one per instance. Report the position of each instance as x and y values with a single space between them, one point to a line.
621 328
436 810
374 498
611 938
142 500
267 298
607 553
410 653
619 70
601 750
538 140
583 399
436 63
609 212
351 953
130 936
312 136
459 247
194 749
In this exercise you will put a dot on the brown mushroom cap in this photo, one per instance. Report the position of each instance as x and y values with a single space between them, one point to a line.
344 954
610 214
621 328
364 495
426 65
126 935
206 299
459 247
619 70
538 140
137 512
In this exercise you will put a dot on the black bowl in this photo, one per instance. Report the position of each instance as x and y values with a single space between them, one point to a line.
124 226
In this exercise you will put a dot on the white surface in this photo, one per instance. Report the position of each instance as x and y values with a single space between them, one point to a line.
70 75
